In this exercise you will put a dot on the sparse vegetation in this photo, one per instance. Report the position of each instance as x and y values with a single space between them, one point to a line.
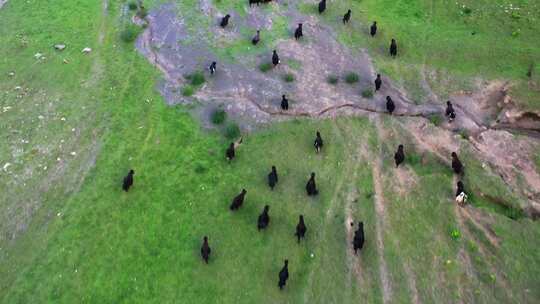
435 119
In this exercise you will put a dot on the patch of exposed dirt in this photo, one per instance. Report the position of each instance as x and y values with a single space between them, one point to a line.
2 2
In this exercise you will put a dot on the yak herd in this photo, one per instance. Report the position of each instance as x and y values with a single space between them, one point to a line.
311 187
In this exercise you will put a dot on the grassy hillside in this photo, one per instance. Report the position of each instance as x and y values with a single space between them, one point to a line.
69 234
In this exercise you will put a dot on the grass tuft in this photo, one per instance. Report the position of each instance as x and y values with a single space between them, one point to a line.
129 34
187 91
196 79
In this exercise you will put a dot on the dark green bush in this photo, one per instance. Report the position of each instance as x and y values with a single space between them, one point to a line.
188 91
332 79
196 79
265 67
367 93
129 34
288 77
351 78
435 119
218 116
232 131
132 5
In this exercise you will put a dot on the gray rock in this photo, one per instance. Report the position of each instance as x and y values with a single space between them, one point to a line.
60 47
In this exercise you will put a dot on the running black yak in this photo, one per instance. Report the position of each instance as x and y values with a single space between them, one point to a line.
347 17
284 103
457 166
272 178
373 29
300 228
378 82
322 6
212 67
238 200
393 48
205 250
450 113
390 106
128 181
318 142
230 154
311 187
298 32
358 241
399 157
225 21
284 275
256 38
264 219
275 58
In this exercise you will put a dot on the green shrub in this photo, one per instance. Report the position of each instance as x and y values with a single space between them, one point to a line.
288 77
232 131
218 116
132 5
466 11
265 67
351 78
196 79
332 79
455 234
188 91
367 93
435 119
464 134
129 34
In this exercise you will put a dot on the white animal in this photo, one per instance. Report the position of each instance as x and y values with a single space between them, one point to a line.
461 199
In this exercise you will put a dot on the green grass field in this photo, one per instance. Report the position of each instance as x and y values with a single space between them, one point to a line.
68 234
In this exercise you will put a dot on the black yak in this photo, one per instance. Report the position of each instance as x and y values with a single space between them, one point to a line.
460 188
272 178
399 157
275 58
298 32
318 142
322 6
378 82
390 106
456 164
358 241
311 187
225 21
264 219
128 180
450 113
230 154
256 38
205 250
238 200
284 103
300 228
284 275
254 2
393 48
373 29
212 67
347 17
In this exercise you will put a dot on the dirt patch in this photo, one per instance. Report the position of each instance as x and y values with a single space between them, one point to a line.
2 2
